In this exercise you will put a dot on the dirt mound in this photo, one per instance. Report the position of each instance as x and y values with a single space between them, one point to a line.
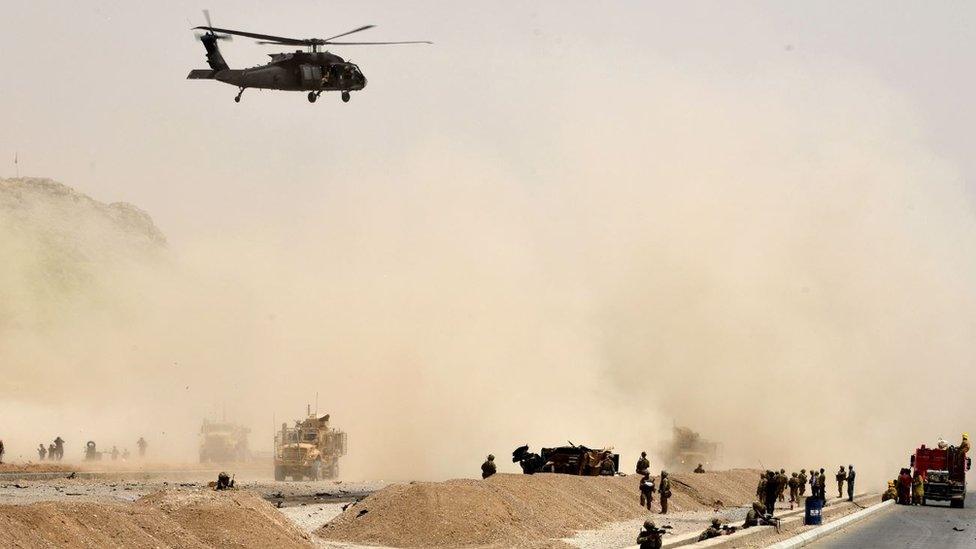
184 519
517 510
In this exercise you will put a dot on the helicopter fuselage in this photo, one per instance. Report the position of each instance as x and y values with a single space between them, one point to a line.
299 71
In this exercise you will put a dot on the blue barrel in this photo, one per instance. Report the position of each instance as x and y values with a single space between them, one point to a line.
813 514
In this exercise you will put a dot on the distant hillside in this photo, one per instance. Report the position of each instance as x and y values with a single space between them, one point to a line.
60 246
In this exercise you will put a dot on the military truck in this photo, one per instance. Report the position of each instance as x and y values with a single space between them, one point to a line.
687 449
568 460
311 449
223 442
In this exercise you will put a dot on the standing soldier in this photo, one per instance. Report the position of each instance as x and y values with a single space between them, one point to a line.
41 452
142 446
487 468
52 452
803 482
781 483
841 476
665 492
761 487
918 489
772 490
794 484
643 466
850 483
822 486
59 447
1 450
115 453
646 491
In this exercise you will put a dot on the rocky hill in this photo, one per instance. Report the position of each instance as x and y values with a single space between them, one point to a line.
59 246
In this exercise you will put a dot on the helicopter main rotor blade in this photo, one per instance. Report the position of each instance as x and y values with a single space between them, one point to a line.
348 33
276 39
378 43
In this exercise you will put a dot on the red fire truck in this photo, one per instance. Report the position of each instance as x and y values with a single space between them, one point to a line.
943 473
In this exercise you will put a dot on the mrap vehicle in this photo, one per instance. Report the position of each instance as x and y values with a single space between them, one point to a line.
943 472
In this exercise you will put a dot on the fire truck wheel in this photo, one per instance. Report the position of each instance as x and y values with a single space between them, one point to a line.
957 503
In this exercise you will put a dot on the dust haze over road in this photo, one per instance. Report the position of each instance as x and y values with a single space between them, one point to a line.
778 265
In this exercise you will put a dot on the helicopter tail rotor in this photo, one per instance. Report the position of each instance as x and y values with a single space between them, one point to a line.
210 32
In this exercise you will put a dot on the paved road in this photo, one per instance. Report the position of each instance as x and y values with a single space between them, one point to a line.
905 526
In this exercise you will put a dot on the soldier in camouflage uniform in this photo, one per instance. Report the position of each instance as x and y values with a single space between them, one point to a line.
643 465
781 482
665 492
488 467
841 477
794 484
803 482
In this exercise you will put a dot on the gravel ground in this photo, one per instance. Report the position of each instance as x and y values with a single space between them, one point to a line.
624 534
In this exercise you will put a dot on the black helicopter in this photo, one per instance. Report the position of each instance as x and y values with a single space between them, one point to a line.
313 71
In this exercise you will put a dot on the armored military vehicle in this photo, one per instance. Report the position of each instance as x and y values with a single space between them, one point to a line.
687 449
223 442
311 449
567 460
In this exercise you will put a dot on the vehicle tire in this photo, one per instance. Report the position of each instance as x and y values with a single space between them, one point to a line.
957 503
312 97
346 97
279 473
924 502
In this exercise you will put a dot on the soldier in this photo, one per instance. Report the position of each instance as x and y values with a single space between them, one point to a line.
841 476
650 536
781 482
891 492
713 531
794 484
803 482
761 487
700 468
752 517
41 452
813 482
850 483
822 485
142 446
772 490
224 481
488 467
115 453
665 492
918 489
647 490
52 452
125 455
1 450
59 447
643 465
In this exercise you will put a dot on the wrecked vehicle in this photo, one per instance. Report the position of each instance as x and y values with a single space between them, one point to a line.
568 460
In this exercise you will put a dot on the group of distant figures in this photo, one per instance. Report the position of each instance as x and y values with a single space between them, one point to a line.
55 450
772 485
771 489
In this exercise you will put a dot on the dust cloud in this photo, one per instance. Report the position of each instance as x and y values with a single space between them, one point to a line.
784 266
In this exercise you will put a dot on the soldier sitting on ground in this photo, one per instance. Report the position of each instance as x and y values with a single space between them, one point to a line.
643 465
752 517
700 468
891 492
224 482
488 467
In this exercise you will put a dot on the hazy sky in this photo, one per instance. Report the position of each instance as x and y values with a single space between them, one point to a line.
94 93
565 206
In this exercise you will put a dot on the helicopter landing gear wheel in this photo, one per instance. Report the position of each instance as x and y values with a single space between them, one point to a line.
346 97
237 99
312 96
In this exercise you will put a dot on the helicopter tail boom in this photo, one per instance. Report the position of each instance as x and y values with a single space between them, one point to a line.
202 74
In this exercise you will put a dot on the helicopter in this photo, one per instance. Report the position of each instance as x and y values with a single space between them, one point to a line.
313 71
